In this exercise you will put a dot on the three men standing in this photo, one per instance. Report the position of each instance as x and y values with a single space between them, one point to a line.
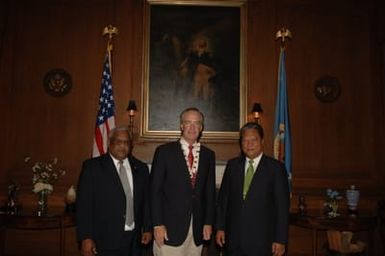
252 209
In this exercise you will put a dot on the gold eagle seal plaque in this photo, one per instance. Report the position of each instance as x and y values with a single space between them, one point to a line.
57 82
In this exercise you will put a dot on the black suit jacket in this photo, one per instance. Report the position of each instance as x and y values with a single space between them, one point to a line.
253 224
173 199
101 203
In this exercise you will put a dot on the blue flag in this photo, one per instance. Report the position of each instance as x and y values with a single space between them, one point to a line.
281 132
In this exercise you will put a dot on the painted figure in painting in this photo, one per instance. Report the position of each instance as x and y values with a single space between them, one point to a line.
199 67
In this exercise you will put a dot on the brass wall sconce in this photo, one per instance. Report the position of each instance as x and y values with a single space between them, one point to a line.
257 111
131 107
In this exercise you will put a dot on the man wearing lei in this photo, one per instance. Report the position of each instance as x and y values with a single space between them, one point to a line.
183 191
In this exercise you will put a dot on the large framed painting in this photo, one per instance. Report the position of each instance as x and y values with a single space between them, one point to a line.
194 56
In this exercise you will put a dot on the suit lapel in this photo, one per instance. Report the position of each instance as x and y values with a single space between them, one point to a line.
111 173
201 165
261 166
134 171
181 162
238 176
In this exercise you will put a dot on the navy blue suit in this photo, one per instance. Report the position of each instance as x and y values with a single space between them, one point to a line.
253 224
101 203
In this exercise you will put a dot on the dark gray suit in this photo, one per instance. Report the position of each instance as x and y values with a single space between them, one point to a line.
253 224
101 203
173 199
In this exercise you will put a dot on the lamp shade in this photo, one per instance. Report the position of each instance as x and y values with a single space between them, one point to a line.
131 105
257 108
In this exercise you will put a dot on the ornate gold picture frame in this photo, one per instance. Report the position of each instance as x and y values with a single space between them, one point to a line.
194 56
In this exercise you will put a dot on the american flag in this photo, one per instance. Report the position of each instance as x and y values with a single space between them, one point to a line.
105 120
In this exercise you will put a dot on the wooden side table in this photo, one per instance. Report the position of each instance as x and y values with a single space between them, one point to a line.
33 222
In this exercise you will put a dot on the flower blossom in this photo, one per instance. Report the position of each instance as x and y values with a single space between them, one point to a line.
44 174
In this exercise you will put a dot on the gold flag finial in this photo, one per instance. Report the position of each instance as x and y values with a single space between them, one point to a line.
110 31
284 34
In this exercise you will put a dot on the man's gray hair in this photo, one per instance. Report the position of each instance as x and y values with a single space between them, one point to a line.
191 109
111 136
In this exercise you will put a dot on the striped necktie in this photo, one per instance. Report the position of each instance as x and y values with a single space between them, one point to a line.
128 192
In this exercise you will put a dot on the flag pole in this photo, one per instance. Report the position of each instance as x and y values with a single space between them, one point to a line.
281 129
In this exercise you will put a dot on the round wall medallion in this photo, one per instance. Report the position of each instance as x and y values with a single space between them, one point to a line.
327 88
57 82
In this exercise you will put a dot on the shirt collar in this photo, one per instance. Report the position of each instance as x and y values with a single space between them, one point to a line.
116 161
255 160
184 143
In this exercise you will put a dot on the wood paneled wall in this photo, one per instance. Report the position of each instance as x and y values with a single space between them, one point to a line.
334 144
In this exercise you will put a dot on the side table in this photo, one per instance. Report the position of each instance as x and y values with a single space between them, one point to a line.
33 222
342 223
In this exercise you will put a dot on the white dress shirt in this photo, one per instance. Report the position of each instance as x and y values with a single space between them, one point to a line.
127 166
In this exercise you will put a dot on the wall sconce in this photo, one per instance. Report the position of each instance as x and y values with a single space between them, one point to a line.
257 111
131 113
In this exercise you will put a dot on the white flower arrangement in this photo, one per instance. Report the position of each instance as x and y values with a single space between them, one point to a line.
45 174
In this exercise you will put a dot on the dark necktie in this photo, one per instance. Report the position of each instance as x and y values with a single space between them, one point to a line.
190 158
248 177
127 190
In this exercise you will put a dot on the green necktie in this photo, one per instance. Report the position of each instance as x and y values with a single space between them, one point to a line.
248 178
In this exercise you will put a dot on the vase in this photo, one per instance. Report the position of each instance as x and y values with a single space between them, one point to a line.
42 203
352 196
302 205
